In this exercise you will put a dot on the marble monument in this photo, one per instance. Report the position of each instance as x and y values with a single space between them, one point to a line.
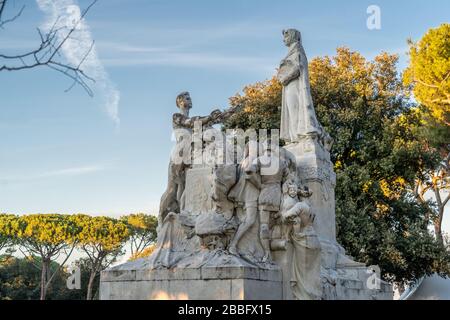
249 220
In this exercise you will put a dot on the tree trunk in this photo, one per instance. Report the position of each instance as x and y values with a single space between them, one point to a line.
44 274
438 226
91 284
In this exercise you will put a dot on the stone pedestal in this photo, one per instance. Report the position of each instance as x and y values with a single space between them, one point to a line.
353 283
343 278
215 246
131 282
284 260
315 170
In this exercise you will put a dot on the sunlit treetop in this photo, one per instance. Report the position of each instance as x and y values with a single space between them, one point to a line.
429 71
44 229
140 221
105 232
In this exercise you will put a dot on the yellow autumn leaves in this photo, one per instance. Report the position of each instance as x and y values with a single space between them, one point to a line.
350 69
390 188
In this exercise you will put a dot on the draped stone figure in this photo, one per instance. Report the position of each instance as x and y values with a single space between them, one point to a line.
298 117
305 275
297 216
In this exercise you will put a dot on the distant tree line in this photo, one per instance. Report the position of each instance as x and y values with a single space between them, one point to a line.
47 241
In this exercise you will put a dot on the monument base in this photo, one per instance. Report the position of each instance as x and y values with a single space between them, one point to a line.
209 283
227 283
353 283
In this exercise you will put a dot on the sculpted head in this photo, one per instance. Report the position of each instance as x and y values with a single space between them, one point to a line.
290 188
184 102
291 36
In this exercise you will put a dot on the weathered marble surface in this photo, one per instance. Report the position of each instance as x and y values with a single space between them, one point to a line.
226 283
260 227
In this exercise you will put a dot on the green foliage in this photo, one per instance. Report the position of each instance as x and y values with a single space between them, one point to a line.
142 231
44 237
378 154
428 76
20 280
85 266
259 107
44 234
105 233
102 240
147 252
429 72
6 238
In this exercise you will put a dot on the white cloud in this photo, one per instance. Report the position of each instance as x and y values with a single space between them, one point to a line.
70 171
118 54
200 47
130 48
67 172
194 59
66 13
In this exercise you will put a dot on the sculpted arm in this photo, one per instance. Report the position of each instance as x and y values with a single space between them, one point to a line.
289 70
215 117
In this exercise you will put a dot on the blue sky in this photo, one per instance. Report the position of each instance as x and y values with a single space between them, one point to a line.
62 151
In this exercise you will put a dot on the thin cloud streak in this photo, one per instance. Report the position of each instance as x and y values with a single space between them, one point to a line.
194 36
191 49
71 172
193 59
66 13
68 172
124 47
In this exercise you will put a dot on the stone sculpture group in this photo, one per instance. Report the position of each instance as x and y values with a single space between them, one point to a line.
252 220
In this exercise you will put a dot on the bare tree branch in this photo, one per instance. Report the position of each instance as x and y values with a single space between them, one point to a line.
47 53
2 7
444 203
436 181
61 266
